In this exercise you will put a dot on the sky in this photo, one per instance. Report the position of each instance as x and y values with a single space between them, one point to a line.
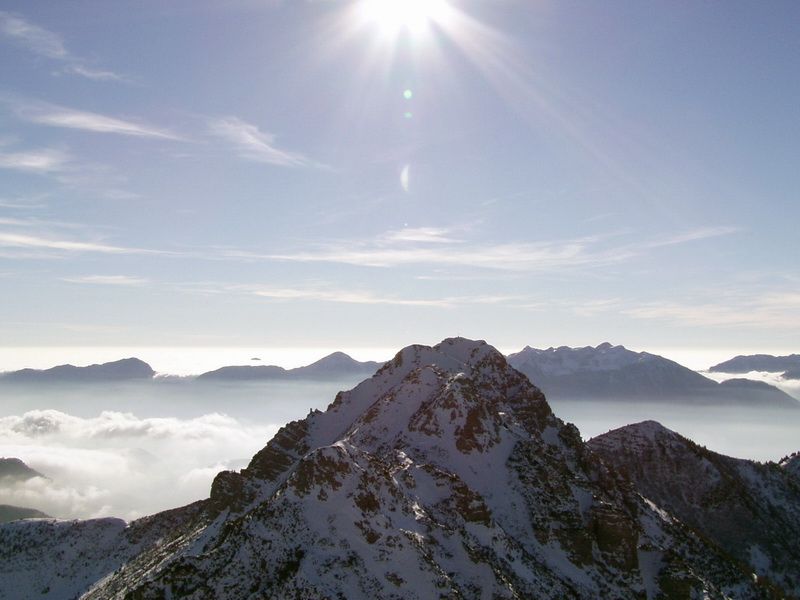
375 173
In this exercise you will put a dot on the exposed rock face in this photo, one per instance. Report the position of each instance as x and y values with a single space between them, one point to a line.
751 510
445 475
121 370
758 362
614 372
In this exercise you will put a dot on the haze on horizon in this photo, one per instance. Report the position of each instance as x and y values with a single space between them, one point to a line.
332 175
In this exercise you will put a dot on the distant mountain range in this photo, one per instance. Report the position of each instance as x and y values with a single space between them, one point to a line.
332 366
616 373
120 370
788 365
444 475
605 372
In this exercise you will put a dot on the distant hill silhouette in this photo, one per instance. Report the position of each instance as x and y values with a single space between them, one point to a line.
759 362
10 513
13 471
16 470
332 366
120 370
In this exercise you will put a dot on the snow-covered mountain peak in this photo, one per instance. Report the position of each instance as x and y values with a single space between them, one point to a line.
437 403
565 360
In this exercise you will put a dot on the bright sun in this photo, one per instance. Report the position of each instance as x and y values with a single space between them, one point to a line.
393 17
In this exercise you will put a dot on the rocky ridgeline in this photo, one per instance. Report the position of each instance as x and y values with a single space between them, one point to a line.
445 475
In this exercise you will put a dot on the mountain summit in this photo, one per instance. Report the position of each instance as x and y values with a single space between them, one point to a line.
445 475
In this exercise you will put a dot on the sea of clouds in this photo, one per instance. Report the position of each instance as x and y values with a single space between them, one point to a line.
119 464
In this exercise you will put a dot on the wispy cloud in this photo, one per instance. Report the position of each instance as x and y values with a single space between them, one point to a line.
521 256
766 308
22 204
439 248
255 145
113 280
48 44
437 235
95 74
25 241
771 310
60 116
323 292
43 161
343 296
693 235
36 39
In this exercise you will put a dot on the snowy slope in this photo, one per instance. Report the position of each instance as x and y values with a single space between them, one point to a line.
59 560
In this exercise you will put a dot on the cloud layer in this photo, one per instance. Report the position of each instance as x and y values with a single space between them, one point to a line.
119 464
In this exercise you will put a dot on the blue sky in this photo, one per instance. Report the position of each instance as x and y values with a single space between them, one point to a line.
346 173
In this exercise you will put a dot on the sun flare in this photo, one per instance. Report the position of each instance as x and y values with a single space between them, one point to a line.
392 17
